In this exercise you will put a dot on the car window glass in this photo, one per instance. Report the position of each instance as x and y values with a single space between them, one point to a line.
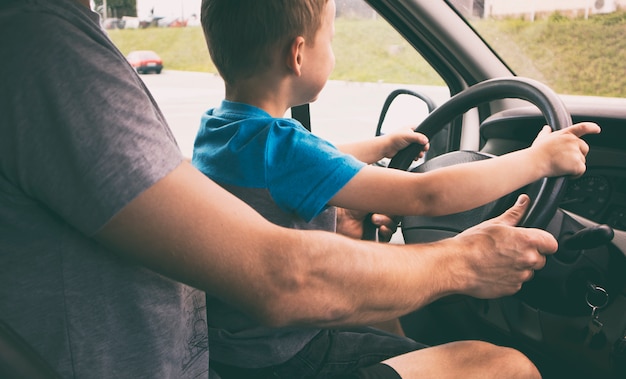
574 46
372 60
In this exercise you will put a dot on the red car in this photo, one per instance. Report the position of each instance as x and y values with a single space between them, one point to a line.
145 61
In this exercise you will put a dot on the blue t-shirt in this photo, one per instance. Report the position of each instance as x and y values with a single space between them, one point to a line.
242 145
288 175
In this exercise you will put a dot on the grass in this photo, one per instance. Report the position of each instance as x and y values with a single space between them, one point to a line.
358 59
573 56
180 48
371 51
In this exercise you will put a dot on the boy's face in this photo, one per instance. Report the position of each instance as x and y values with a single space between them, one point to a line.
320 59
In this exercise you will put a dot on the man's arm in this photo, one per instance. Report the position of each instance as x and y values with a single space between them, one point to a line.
190 229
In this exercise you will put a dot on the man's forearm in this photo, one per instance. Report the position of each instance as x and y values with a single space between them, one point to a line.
330 280
188 228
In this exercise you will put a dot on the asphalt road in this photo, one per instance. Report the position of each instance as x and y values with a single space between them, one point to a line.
344 111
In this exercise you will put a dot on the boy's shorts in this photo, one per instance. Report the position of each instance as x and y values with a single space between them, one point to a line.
337 354
377 371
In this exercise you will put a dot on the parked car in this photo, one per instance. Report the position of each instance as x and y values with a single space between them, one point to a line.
145 61
113 23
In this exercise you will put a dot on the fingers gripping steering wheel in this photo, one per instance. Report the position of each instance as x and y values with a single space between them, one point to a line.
545 194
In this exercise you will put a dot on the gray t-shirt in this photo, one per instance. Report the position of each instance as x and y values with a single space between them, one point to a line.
80 138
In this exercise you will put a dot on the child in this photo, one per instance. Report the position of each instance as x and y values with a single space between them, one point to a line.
274 55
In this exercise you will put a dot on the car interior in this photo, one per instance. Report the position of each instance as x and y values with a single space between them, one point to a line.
571 318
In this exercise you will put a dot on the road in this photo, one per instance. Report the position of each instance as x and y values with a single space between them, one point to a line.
344 112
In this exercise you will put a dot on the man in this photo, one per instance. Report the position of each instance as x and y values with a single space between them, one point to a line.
107 235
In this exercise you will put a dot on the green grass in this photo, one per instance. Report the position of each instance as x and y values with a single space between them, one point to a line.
358 59
180 48
573 56
371 51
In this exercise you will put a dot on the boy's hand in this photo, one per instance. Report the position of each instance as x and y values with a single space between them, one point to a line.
563 150
401 139
350 224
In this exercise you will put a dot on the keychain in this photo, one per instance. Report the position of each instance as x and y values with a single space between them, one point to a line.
600 300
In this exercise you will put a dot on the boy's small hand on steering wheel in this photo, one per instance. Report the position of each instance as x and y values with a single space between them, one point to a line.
350 223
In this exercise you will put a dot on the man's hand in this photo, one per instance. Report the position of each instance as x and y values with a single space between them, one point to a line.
500 257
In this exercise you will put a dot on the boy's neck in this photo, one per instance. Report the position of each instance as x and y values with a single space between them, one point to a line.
270 99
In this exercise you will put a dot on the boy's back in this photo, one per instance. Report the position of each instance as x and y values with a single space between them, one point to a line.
273 165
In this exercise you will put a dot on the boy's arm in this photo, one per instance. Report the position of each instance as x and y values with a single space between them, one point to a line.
466 186
387 146
190 229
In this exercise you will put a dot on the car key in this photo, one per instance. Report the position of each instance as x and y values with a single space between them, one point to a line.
595 325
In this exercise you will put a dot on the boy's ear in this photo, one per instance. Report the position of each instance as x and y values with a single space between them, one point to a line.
295 55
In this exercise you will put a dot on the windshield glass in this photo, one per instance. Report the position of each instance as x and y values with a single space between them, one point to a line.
575 46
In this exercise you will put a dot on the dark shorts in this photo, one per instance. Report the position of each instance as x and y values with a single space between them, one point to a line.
336 354
377 371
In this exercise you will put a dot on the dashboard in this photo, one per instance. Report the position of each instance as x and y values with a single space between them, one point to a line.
600 194
593 259
548 316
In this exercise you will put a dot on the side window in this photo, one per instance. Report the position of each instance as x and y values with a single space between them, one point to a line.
372 61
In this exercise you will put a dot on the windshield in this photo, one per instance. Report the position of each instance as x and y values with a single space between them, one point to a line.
574 46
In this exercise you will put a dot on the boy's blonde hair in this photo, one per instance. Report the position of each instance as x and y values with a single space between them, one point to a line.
243 35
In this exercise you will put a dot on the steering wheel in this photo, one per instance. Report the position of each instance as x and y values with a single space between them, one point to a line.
545 194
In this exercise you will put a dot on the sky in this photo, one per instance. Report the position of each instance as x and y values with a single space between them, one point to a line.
168 8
